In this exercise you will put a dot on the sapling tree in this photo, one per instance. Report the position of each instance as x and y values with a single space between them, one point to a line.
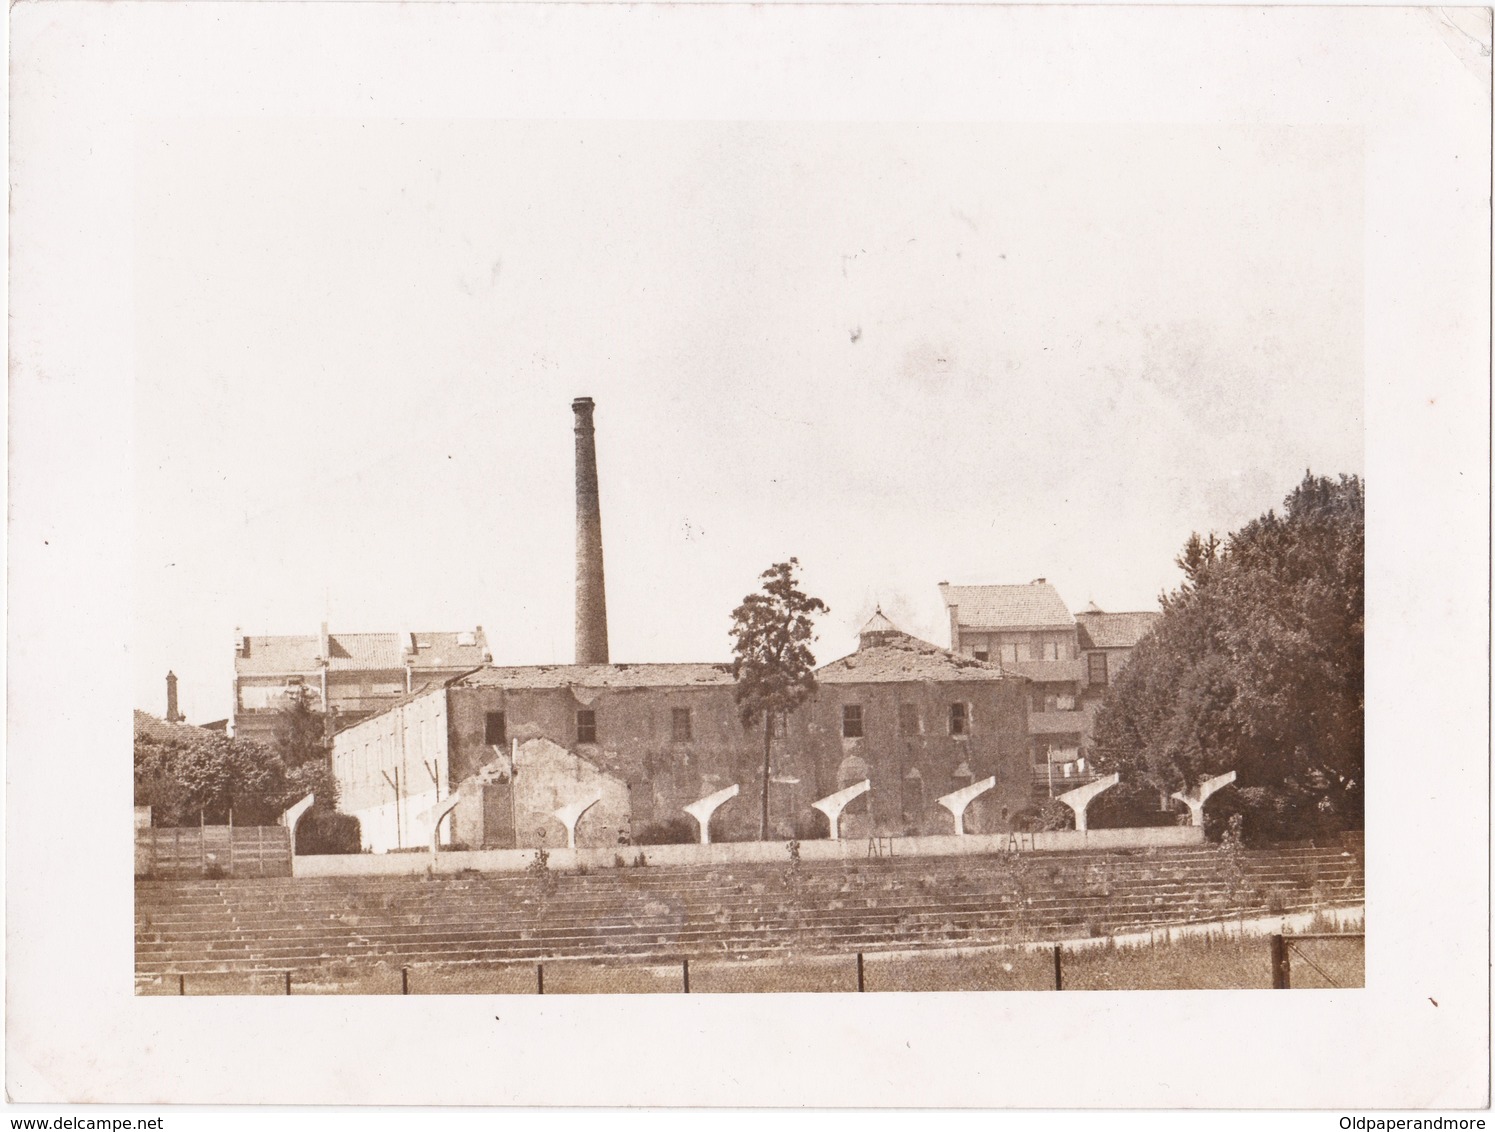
773 666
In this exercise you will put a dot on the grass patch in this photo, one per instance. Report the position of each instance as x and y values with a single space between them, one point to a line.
1005 970
600 978
1202 961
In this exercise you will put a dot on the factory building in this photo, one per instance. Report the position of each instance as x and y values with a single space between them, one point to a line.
506 749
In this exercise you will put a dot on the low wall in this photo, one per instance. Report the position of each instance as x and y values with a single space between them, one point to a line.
748 852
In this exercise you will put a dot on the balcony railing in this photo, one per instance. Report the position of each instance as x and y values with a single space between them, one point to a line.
1055 778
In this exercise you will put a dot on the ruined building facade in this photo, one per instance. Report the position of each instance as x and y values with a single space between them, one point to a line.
519 743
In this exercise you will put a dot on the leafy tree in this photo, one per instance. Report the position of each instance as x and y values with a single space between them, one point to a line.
299 732
186 774
299 736
198 774
773 665
1258 666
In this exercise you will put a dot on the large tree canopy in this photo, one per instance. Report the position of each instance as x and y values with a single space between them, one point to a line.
187 774
200 775
1258 666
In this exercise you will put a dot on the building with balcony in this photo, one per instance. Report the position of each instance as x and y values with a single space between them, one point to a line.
1071 660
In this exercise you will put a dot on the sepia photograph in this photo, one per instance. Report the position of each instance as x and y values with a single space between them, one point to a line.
621 565
741 733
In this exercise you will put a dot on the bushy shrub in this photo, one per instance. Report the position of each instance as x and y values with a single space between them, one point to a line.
811 826
1050 816
671 831
1270 814
321 832
1130 805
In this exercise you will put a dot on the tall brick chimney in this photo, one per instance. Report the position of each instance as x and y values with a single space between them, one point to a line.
172 715
591 598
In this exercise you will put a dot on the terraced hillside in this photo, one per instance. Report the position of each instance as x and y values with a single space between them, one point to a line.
744 911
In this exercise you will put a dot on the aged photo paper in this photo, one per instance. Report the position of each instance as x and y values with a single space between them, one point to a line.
748 556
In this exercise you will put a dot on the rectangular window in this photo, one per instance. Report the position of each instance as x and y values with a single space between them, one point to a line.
851 721
908 719
495 729
680 724
958 721
1098 674
586 726
1009 652
1064 703
982 654
1043 650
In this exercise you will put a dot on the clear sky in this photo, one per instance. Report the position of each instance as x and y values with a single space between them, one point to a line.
903 353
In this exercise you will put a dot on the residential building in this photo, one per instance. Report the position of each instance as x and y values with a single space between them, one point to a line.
1071 659
350 676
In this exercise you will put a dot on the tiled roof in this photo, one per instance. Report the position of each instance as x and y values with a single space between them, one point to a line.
598 676
900 658
154 727
1114 630
446 650
275 656
1036 605
1047 671
361 652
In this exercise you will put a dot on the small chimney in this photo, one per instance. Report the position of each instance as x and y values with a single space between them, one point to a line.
591 598
172 715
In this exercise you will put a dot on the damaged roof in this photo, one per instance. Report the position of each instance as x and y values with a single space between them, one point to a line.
597 676
896 657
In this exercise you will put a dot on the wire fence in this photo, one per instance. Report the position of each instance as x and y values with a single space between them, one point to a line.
1202 962
1319 961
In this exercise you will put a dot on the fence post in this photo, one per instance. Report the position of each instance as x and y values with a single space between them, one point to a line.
539 978
404 980
685 973
181 984
1281 970
1058 967
861 975
288 982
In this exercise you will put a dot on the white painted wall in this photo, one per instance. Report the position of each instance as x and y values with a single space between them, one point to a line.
737 852
409 738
